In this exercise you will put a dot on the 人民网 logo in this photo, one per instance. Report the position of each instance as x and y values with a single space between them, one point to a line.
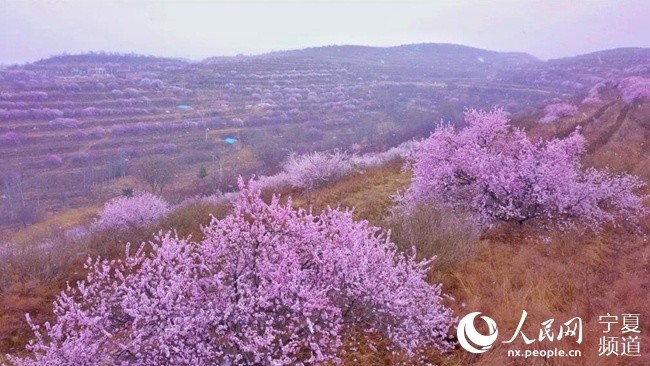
469 337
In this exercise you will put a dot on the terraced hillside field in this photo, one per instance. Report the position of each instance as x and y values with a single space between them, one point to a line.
75 130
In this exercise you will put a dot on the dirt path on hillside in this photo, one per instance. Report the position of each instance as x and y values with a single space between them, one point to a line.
587 121
605 136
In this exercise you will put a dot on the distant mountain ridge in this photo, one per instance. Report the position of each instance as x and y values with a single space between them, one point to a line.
420 50
616 57
104 57
442 56
402 55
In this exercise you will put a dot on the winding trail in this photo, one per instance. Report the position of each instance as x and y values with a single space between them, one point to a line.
607 134
587 121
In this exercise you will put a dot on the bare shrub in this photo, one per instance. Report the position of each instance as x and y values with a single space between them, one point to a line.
189 217
434 232
44 261
157 171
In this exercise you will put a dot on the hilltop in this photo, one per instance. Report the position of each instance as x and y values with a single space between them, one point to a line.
424 55
617 57
103 57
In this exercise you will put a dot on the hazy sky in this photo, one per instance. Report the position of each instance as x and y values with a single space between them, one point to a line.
30 29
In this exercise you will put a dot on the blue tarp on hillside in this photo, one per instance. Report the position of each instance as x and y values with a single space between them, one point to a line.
230 140
183 106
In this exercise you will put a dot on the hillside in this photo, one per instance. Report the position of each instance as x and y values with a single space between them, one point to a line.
549 274
617 134
86 122
504 270
76 129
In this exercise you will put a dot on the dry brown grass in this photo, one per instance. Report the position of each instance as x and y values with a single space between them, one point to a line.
434 232
30 278
44 228
187 221
565 275
568 274
617 136
18 299
572 275
369 193
32 275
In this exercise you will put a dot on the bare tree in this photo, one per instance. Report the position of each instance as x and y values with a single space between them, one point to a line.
27 214
157 171
13 190
14 193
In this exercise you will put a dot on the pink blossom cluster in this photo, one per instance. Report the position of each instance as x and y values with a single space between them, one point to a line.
215 198
558 110
179 91
131 92
54 160
42 113
76 233
314 169
25 95
268 285
151 84
495 172
345 162
122 213
128 102
375 159
271 181
143 128
63 123
39 113
95 133
593 97
635 88
11 138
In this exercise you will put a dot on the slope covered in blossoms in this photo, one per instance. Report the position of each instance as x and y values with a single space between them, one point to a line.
269 285
497 173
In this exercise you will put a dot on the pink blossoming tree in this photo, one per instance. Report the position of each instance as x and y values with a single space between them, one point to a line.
269 285
634 88
314 169
138 211
557 111
495 172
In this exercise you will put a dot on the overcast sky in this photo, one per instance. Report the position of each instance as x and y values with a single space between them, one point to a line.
30 30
